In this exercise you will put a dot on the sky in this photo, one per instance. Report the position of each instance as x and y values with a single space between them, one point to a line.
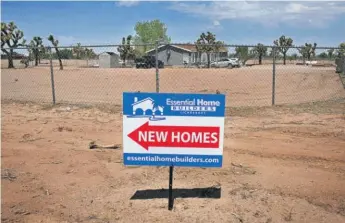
234 22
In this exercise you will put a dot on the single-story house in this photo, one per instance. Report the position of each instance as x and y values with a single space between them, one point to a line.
175 55
109 60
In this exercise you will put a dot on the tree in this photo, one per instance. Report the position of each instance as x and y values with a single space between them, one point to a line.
66 54
25 61
270 54
11 37
125 50
260 50
307 51
78 51
89 54
37 48
330 53
207 44
243 53
284 45
323 55
148 32
341 51
138 52
55 44
218 46
43 50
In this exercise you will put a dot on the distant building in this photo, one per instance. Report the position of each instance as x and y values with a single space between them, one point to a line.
109 60
176 55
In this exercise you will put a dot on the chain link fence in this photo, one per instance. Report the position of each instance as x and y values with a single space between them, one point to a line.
247 75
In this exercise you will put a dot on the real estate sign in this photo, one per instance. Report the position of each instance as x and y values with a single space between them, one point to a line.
163 129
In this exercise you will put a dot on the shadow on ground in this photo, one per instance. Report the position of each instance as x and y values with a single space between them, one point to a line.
208 192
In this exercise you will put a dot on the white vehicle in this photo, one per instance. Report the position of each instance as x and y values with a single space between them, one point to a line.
310 62
227 62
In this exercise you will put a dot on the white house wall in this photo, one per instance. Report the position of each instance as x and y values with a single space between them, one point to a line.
108 61
114 61
104 61
196 57
177 56
186 57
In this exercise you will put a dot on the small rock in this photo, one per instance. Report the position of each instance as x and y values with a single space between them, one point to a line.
91 217
22 212
257 214
63 109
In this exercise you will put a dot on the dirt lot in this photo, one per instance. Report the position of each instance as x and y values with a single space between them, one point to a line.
281 164
247 86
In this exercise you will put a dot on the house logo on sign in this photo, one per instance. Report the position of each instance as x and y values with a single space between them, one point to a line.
147 108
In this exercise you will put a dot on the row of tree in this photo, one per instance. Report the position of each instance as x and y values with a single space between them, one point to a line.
207 44
149 33
307 52
12 37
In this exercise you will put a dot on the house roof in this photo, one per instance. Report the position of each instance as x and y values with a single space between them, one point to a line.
192 48
138 102
109 53
188 48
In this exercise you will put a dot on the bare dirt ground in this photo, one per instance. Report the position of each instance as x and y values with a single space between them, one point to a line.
281 164
247 86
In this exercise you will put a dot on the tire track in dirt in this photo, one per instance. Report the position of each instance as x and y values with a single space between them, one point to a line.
285 156
338 208
319 162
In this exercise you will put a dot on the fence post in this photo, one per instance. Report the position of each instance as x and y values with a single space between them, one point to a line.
171 168
52 74
274 76
157 70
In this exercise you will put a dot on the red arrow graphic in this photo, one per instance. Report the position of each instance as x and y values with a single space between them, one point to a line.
176 136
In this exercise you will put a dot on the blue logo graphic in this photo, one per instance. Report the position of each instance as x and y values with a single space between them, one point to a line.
147 108
157 106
